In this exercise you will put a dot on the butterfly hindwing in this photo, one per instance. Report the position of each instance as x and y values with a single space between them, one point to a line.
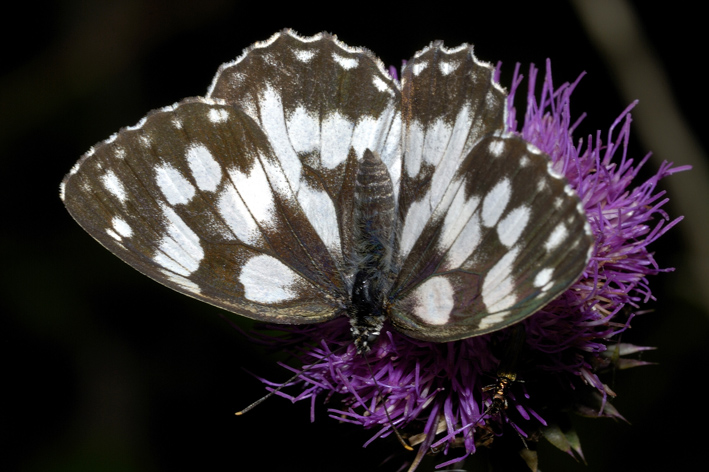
490 263
491 240
203 210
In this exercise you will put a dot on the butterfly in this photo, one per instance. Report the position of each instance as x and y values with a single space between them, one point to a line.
310 184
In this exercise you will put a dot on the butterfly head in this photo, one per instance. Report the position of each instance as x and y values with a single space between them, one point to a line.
366 311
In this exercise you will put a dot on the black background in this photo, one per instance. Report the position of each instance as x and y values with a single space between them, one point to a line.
105 370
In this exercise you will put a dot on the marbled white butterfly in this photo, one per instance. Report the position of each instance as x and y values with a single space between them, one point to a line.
309 184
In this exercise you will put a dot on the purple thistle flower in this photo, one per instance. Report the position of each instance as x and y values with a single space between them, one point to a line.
448 397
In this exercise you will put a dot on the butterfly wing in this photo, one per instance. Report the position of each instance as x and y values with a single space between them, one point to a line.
321 104
490 232
238 199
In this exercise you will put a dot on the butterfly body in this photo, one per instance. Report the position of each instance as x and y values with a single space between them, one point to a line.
309 184
374 232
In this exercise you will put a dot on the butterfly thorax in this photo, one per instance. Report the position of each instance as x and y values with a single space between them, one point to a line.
366 312
374 220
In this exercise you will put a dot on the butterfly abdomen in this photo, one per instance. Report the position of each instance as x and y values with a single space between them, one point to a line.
374 230
374 215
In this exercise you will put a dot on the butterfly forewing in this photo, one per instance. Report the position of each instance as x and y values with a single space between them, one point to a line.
512 239
449 102
321 104
194 198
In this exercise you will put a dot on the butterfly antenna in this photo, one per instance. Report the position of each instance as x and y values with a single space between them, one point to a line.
386 412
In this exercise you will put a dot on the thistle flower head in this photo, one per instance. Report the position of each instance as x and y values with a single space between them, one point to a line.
457 397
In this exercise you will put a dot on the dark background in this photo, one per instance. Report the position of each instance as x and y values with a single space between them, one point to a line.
105 370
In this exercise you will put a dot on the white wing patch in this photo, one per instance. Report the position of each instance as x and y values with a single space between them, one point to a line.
366 134
496 147
461 230
391 150
205 169
419 67
304 130
448 161
267 280
416 219
381 85
492 320
457 216
495 202
556 237
336 137
235 214
256 193
434 300
304 56
176 188
543 277
114 185
183 282
215 116
511 227
498 289
466 242
346 62
179 250
447 68
272 117
321 213
436 140
121 227
414 148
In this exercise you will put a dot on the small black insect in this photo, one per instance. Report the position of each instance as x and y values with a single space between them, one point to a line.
506 372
